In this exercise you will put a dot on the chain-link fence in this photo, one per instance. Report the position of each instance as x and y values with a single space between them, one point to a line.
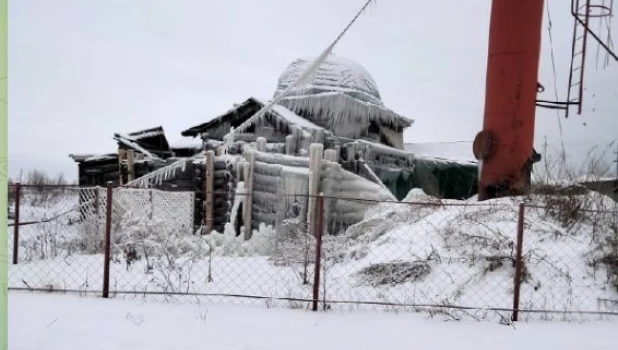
423 256
54 233
548 257
570 256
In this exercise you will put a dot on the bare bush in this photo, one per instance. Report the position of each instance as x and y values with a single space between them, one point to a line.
37 178
48 243
394 273
296 248
42 188
169 254
561 188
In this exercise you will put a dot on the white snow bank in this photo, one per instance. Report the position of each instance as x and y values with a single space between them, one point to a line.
64 322
186 143
469 252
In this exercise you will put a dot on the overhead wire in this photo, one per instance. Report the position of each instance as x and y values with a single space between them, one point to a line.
608 24
553 64
303 78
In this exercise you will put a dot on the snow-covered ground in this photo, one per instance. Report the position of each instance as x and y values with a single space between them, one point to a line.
64 322
461 253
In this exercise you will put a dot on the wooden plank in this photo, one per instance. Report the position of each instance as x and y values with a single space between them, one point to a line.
249 187
282 159
261 144
289 145
316 153
121 157
209 191
130 165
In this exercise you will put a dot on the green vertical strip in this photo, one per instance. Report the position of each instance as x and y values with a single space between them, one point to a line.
3 177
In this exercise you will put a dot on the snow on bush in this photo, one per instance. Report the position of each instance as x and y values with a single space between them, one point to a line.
465 254
262 242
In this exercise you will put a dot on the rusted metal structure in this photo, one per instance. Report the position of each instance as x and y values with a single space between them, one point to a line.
583 11
504 147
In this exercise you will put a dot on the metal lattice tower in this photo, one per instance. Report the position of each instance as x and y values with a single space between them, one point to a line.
584 12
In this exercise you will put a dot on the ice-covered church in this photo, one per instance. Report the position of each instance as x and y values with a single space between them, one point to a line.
332 135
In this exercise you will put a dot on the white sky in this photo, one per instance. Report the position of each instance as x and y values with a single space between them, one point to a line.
80 70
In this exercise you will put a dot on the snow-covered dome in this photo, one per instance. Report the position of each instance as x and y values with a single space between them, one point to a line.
336 74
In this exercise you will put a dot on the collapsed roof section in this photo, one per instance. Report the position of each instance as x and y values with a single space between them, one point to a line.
238 116
151 144
93 158
154 136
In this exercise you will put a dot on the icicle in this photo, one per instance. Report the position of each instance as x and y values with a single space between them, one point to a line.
304 77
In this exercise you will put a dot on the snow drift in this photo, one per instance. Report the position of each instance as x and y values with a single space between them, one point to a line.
428 252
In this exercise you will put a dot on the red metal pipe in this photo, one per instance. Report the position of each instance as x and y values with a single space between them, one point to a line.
504 147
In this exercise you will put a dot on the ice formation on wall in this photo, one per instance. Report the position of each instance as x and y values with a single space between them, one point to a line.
348 196
161 175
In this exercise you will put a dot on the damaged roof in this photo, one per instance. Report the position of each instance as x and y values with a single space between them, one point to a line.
243 111
151 142
86 158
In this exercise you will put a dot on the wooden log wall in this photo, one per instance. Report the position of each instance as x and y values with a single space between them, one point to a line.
223 185
98 173
249 171
264 194
271 182
316 153
374 153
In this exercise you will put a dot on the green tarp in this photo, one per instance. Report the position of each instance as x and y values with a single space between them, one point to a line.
437 177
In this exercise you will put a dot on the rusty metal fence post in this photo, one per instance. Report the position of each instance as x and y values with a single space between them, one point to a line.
318 250
107 243
16 224
518 262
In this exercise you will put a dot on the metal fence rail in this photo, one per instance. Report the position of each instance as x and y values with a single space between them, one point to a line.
547 258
